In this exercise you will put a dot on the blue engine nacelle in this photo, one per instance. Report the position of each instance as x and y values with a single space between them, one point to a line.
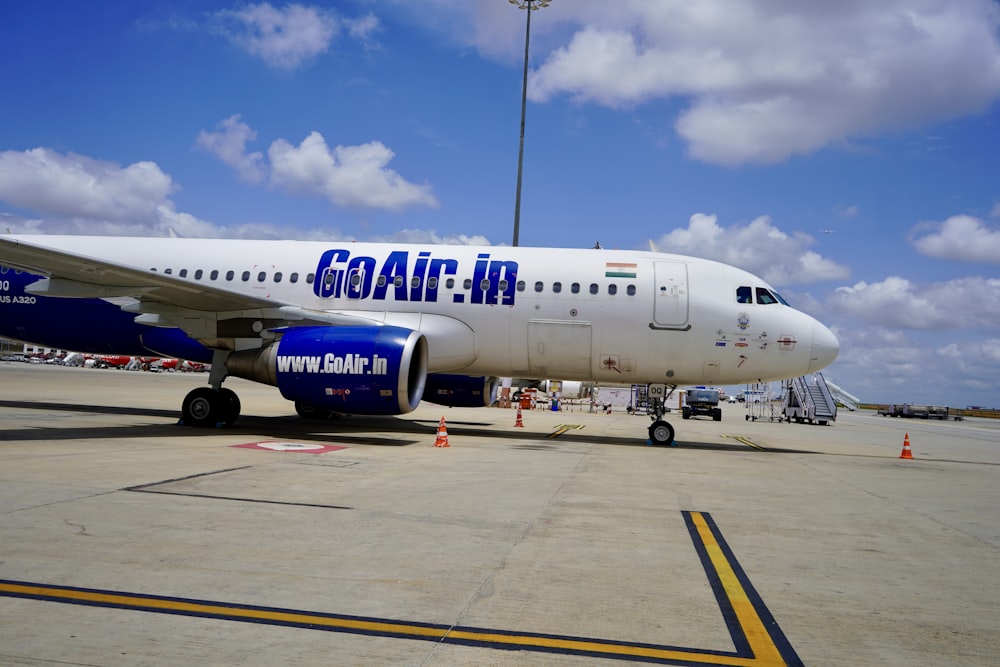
356 370
460 391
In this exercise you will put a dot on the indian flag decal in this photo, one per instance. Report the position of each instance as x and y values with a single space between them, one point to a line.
620 269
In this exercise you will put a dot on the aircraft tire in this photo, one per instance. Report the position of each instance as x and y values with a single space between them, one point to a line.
201 407
230 406
661 433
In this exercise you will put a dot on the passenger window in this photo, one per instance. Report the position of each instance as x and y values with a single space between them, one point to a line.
198 274
764 297
484 284
539 286
612 289
502 285
230 275
557 287
245 276
328 279
432 283
397 281
415 281
214 275
630 290
277 277
294 278
467 283
520 285
168 271
744 294
575 288
449 283
380 281
261 277
594 289
183 273
310 277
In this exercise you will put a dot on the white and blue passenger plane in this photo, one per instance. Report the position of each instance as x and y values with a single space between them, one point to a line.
374 328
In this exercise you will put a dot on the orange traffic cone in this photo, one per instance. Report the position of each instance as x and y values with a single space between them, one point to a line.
907 454
442 435
519 423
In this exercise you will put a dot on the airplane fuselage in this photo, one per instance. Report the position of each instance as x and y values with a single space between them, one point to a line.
593 315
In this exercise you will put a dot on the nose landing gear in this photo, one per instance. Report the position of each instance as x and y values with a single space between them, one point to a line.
660 431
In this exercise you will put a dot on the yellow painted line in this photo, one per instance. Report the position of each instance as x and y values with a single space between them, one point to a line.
765 651
563 428
756 645
196 608
746 441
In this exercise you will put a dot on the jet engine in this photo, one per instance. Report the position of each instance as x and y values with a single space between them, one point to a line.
377 370
460 391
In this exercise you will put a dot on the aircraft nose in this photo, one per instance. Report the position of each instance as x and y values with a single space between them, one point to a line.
825 347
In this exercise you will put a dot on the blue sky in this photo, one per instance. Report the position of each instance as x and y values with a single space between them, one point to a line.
847 152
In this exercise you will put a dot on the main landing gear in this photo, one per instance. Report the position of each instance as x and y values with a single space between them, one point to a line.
214 405
660 431
205 406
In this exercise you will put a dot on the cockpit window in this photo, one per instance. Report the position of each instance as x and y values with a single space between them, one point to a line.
764 297
781 300
744 294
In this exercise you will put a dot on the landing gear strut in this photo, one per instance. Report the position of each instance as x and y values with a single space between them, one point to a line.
214 405
660 431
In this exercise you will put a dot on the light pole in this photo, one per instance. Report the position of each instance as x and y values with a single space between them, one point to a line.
530 6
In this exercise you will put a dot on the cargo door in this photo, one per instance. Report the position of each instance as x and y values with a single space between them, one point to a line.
559 349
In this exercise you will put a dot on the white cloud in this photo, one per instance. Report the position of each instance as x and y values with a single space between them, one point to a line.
283 38
898 303
78 187
431 236
229 145
346 175
759 247
350 176
75 194
363 28
962 238
762 80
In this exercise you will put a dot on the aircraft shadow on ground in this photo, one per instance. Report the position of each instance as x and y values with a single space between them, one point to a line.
350 430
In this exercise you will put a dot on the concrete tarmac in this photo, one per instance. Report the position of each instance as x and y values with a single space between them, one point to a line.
126 539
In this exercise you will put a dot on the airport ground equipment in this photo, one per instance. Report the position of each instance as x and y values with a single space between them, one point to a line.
843 397
809 399
909 410
700 402
761 403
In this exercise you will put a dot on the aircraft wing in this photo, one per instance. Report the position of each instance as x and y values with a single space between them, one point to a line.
80 276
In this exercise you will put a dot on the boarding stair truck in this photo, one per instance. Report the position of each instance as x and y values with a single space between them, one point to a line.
701 402
808 399
843 397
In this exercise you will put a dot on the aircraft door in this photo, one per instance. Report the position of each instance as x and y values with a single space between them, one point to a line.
670 305
559 349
